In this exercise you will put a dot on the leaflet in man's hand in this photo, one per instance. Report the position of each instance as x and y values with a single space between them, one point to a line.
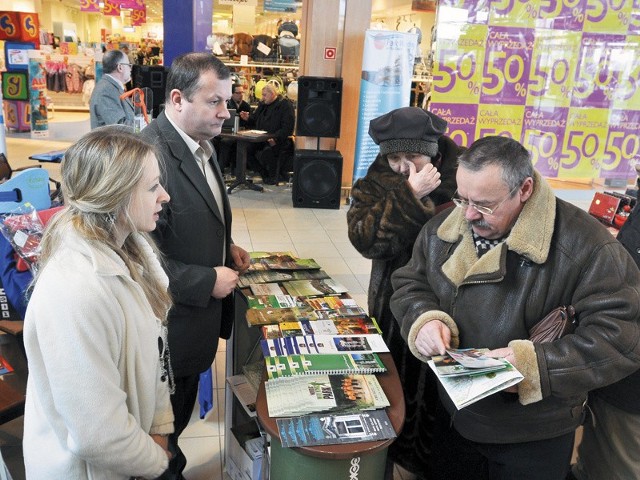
470 361
465 389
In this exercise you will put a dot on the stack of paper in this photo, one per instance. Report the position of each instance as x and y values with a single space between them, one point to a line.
303 394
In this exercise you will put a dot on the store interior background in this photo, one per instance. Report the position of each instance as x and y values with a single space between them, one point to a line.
261 221
64 19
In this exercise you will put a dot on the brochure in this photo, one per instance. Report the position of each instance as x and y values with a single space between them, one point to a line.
256 257
244 392
288 262
465 389
303 394
309 344
314 288
268 316
272 276
330 429
275 301
265 289
467 362
339 363
334 326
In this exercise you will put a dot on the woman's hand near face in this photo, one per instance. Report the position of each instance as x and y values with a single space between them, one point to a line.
425 181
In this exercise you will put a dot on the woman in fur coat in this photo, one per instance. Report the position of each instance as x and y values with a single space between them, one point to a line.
412 178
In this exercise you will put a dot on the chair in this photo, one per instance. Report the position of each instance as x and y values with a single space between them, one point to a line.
6 173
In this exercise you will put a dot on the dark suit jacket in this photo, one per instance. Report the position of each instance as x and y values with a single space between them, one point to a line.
243 107
106 108
278 118
190 234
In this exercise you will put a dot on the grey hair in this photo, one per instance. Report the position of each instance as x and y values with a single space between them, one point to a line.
505 152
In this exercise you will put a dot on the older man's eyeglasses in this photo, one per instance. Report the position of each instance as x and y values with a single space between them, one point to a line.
484 210
127 64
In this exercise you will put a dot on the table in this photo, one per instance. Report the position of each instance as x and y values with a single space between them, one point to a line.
54 156
335 461
243 140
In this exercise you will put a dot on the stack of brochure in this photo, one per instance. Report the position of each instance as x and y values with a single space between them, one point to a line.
331 364
308 344
336 326
327 429
303 394
321 353
468 375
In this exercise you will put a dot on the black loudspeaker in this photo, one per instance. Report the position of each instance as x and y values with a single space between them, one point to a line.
153 77
317 179
319 104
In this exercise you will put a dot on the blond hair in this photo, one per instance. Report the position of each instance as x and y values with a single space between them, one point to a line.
99 175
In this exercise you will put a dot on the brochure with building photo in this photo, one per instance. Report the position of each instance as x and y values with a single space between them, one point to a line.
269 316
273 276
275 301
331 429
335 326
265 289
303 394
314 288
289 262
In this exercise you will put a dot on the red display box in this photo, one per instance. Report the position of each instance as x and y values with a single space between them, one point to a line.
20 26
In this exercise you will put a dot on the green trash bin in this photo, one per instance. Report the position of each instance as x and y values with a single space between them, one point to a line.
292 464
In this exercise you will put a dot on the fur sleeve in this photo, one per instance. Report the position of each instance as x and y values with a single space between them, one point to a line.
385 216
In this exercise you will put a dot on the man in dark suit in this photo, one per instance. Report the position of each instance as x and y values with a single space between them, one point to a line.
275 115
194 231
105 106
238 102
226 147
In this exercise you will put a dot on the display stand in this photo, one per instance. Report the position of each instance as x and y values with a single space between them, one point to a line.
335 461
242 348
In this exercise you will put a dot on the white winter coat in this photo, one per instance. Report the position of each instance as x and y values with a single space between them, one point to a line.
94 391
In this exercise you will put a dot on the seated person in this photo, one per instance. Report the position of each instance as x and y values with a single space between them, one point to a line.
226 147
276 116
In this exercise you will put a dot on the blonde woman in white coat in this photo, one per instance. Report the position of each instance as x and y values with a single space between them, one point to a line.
99 378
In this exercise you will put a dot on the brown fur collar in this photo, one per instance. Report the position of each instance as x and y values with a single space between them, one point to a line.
530 236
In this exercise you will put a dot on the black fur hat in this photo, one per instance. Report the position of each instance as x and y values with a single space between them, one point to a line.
408 129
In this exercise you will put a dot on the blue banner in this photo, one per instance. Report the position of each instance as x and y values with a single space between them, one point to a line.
387 69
